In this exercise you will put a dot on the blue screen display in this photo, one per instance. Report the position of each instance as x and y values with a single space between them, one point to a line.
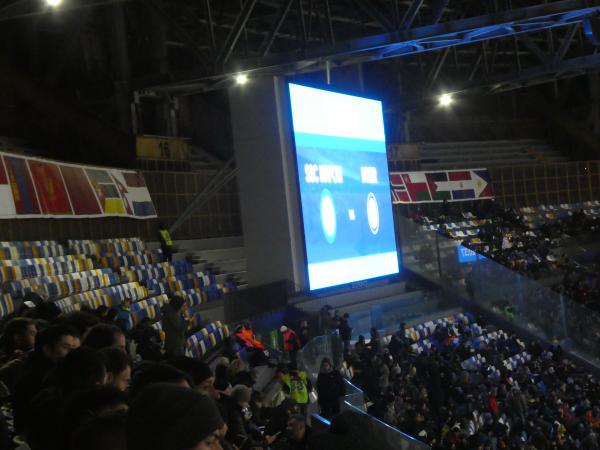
344 187
466 255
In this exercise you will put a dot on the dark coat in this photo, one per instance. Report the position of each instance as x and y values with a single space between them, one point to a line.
330 388
174 327
35 371
236 425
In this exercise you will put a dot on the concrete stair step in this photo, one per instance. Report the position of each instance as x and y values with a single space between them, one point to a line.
222 254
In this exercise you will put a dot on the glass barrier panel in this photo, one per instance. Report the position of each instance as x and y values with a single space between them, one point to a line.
329 346
354 396
319 347
496 288
388 437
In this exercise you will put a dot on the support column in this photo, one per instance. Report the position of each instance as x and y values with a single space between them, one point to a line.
120 64
267 182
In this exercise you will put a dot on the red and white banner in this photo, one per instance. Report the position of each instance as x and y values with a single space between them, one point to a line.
441 185
35 187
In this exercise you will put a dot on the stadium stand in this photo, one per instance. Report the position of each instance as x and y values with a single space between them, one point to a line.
476 154
529 240
454 382
89 274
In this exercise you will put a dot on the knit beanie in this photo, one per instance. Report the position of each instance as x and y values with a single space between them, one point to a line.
169 417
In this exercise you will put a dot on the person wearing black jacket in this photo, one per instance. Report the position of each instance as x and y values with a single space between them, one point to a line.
345 333
236 413
174 324
330 389
51 347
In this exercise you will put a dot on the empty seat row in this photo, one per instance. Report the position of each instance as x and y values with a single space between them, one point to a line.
107 246
181 282
129 259
19 272
38 261
20 252
150 307
206 340
7 305
62 285
192 289
24 244
116 294
154 271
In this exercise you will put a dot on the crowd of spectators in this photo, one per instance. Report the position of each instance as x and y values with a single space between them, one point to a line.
508 239
546 403
79 381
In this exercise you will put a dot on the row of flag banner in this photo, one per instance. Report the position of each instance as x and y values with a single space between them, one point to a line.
34 187
440 186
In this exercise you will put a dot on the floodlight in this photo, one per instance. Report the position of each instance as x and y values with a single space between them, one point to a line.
445 100
241 78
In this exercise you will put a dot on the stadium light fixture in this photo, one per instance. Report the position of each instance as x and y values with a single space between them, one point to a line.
54 3
241 79
445 100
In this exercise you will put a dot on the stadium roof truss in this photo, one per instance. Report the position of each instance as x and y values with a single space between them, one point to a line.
480 45
488 52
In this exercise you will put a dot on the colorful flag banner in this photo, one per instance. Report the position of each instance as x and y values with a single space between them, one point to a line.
50 188
7 203
35 187
440 186
24 195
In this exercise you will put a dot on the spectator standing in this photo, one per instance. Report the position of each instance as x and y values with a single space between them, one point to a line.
291 342
254 348
304 333
374 343
330 389
298 384
325 319
345 332
166 243
174 326
124 315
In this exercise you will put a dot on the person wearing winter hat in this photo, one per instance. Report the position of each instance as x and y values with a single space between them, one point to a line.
169 417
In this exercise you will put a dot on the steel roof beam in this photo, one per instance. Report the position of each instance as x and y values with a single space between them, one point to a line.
434 37
236 31
411 14
275 26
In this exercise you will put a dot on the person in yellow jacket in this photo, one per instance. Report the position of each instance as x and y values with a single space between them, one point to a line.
299 386
166 243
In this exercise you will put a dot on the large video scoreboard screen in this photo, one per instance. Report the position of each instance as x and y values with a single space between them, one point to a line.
344 187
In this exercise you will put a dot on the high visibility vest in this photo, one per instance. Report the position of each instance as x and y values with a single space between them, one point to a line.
298 387
166 237
247 337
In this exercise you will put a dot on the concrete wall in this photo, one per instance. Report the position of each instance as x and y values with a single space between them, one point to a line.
267 182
